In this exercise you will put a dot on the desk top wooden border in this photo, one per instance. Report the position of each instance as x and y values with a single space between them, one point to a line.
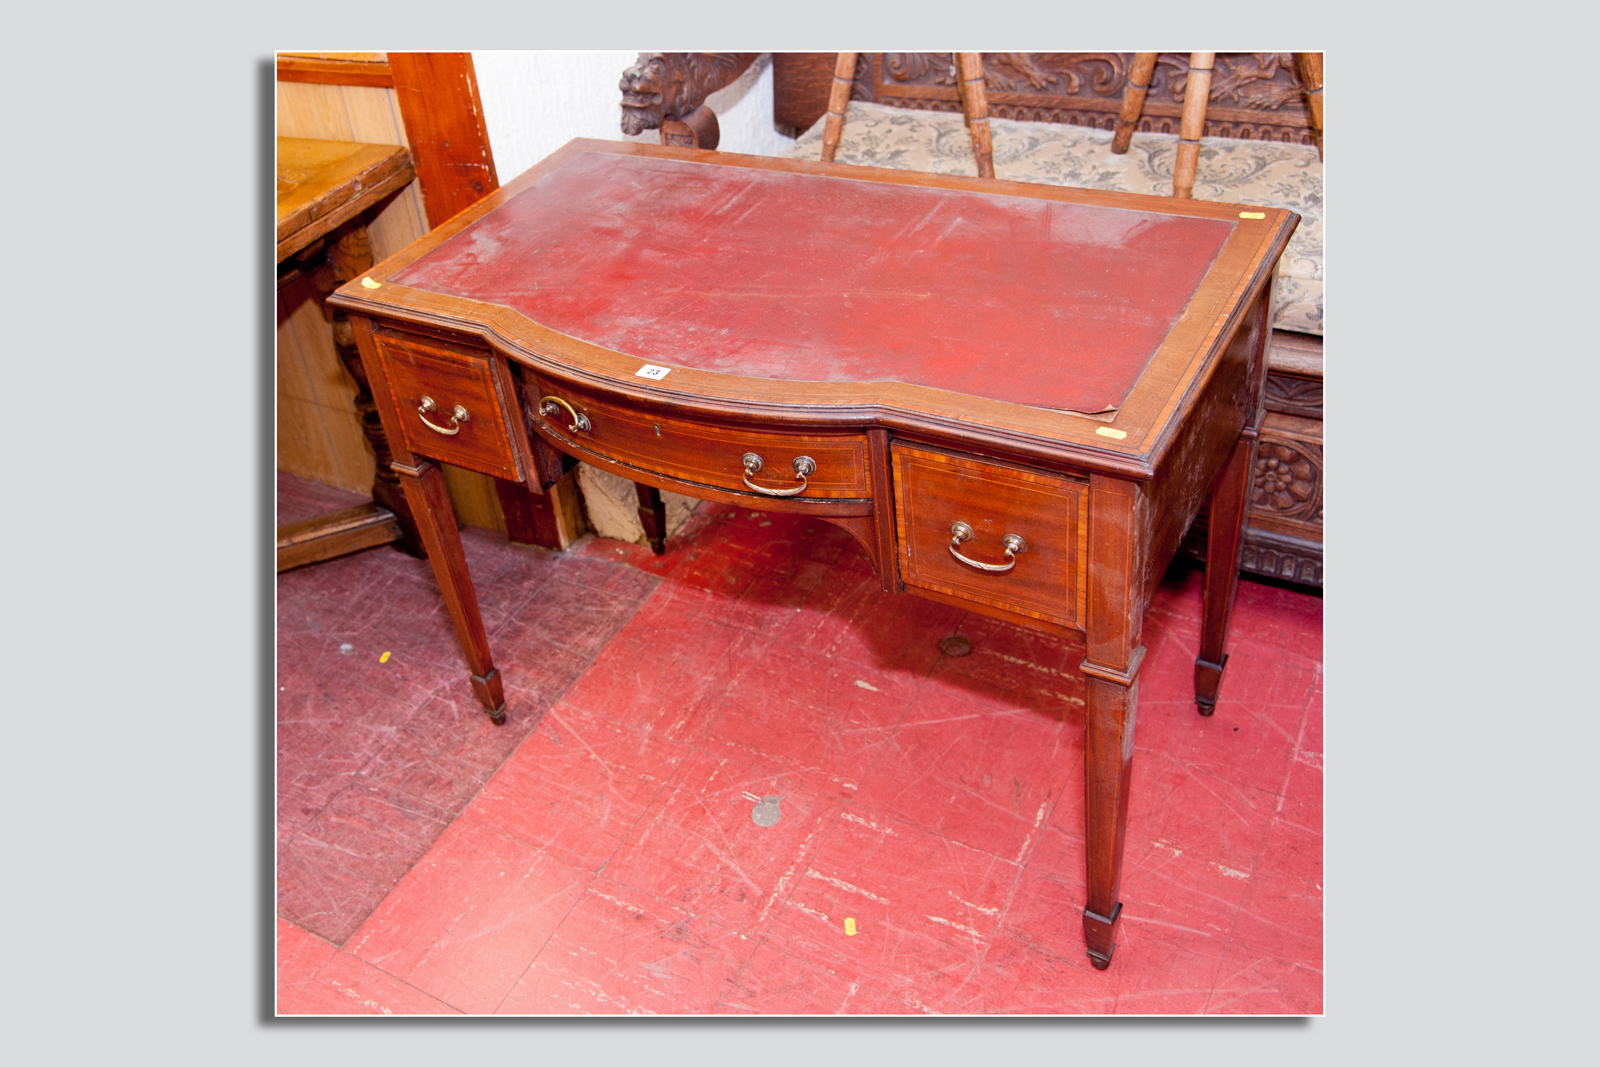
1149 416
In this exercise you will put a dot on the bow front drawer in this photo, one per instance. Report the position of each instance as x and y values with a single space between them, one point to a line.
801 464
456 404
991 533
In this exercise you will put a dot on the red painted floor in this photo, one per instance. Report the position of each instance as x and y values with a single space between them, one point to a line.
597 854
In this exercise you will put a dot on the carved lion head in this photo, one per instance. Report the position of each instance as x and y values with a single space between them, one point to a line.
645 89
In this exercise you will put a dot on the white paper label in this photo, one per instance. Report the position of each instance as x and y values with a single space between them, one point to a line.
654 373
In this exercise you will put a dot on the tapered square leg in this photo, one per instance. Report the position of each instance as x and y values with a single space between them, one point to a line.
436 520
1108 768
491 696
1224 540
1118 517
1100 933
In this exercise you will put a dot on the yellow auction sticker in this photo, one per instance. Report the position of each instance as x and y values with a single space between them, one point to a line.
849 928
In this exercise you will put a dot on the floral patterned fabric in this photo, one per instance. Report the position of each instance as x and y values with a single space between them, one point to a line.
1245 172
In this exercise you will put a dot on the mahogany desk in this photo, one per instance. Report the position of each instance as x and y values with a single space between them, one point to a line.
1016 397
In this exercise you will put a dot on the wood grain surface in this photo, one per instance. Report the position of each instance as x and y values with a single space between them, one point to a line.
936 488
451 376
710 453
335 68
336 534
323 184
438 97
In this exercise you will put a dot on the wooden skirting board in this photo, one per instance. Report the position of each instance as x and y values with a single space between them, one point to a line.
336 534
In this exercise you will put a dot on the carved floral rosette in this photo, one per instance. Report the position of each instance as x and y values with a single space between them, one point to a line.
1287 481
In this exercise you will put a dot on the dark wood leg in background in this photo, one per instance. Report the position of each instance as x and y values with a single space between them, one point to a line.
884 549
386 491
350 256
549 518
653 515
530 517
388 519
1224 539
1118 515
521 512
436 520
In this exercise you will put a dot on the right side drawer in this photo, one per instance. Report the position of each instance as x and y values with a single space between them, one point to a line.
934 490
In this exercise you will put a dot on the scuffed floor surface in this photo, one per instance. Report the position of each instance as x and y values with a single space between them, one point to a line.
598 854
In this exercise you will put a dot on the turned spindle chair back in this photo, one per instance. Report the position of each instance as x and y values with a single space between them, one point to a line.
1196 93
974 105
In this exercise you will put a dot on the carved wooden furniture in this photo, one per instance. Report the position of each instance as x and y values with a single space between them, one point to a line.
1197 92
856 348
974 105
844 72
968 73
668 90
1254 96
430 102
1196 88
326 190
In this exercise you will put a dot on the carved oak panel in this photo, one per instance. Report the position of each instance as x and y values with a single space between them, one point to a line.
1292 395
1286 485
1283 524
1289 558
1254 95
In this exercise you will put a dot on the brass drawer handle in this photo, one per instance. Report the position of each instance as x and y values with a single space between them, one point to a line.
457 417
1015 545
803 465
551 405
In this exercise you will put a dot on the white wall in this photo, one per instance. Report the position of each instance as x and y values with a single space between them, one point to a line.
535 102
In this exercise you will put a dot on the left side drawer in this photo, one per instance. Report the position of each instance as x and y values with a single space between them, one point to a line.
456 404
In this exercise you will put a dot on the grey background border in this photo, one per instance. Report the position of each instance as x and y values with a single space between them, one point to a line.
138 658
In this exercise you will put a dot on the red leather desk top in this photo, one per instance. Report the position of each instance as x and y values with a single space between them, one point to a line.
804 277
